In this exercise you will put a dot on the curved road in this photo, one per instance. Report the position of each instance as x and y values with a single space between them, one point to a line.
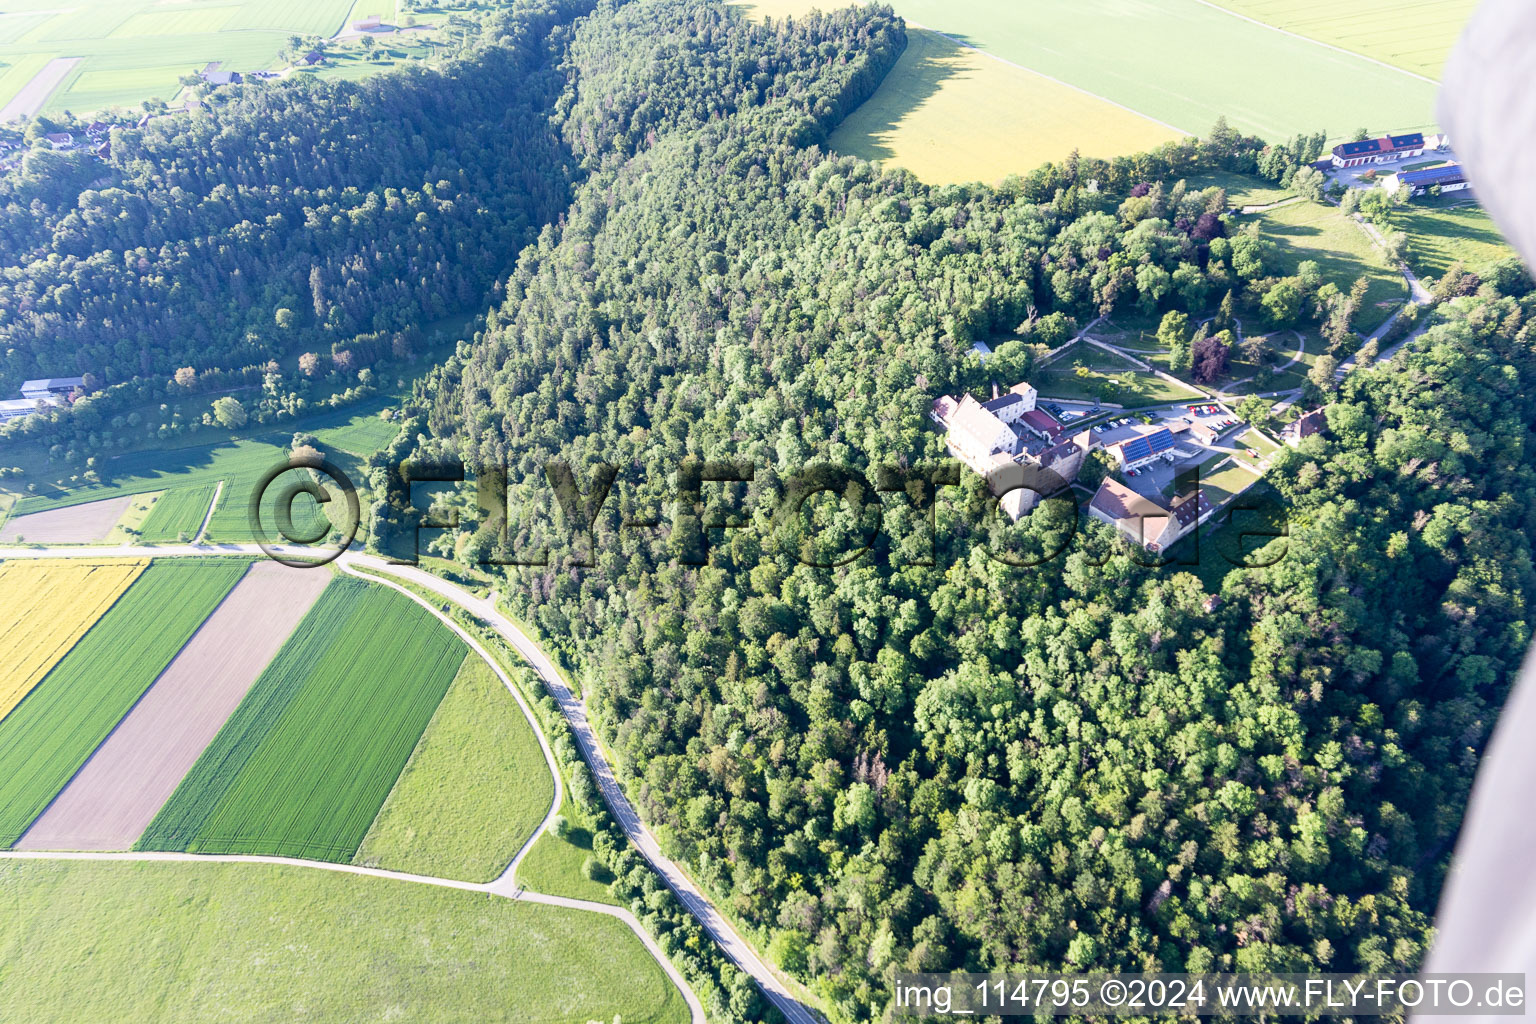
504 885
734 945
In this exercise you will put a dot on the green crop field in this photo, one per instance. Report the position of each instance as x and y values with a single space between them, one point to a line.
180 943
1416 37
305 762
363 435
949 114
348 435
178 514
1441 232
1156 58
134 50
16 70
51 733
1312 231
473 791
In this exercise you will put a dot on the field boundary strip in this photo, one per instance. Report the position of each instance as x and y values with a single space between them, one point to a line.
1317 42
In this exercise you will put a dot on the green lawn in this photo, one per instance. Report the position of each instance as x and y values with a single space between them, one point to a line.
1442 231
1260 442
51 733
1131 389
473 791
187 943
553 866
305 762
1312 231
1242 190
1151 57
1219 487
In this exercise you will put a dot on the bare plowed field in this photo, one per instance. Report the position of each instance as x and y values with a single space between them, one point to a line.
118 791
74 524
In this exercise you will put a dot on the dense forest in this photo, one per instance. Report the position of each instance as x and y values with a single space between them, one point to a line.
923 757
915 762
286 218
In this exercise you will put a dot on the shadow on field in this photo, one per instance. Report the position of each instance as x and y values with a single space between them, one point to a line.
927 63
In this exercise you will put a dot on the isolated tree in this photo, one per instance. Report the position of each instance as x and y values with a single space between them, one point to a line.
1310 183
1175 337
1255 348
1210 356
186 377
1252 409
229 413
1321 376
1282 303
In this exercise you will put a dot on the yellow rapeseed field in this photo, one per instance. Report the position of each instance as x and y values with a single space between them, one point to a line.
45 608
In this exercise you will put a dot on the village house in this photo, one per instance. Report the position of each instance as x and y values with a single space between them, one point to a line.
987 437
1387 149
60 140
976 434
312 58
1148 521
1144 448
1312 423
369 23
1447 178
50 388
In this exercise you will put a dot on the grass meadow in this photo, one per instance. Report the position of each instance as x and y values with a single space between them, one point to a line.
305 762
186 943
1441 232
474 790
1415 37
347 437
46 739
553 866
1313 231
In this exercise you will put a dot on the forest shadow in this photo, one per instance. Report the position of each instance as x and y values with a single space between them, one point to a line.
919 75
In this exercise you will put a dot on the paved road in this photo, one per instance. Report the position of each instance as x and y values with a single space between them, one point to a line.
732 942
722 931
